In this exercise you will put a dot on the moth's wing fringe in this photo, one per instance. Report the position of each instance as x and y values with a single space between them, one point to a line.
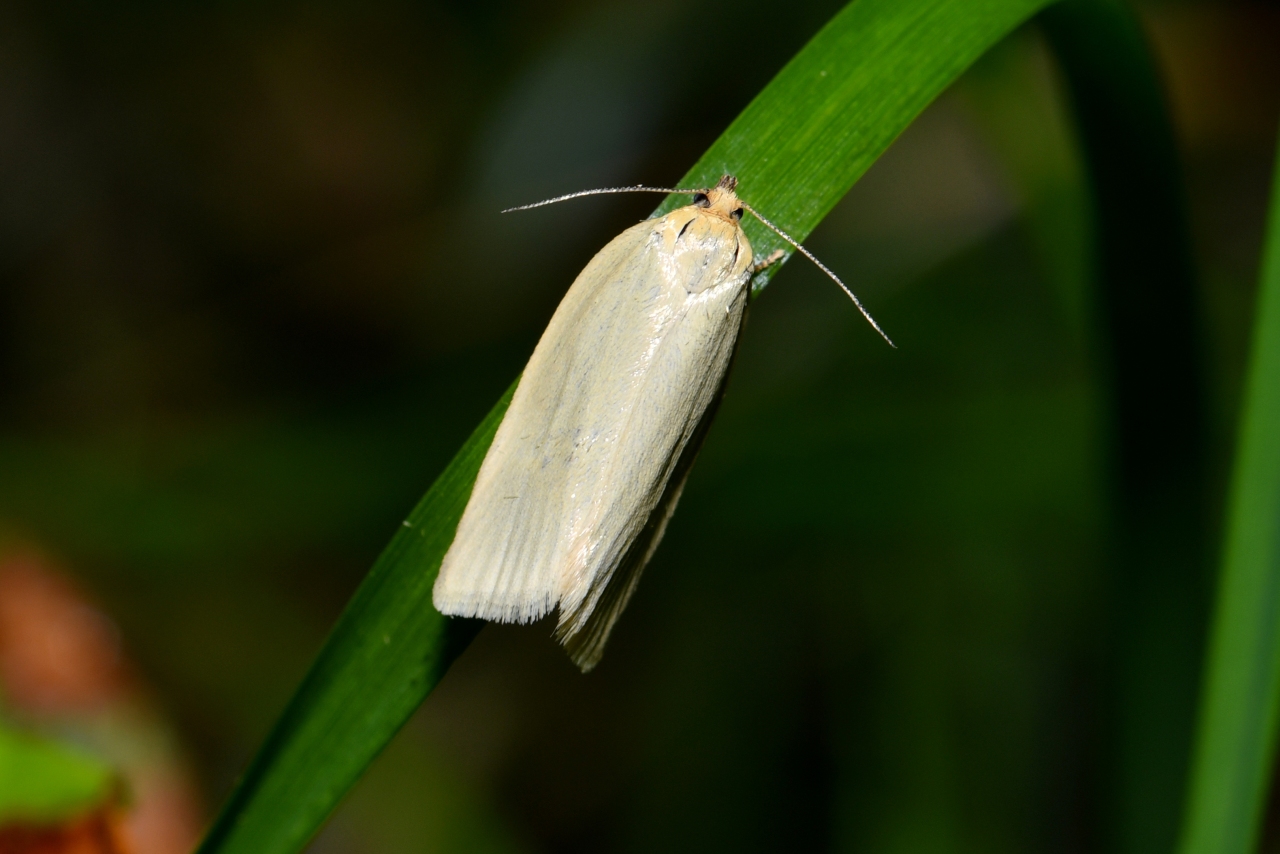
520 611
584 638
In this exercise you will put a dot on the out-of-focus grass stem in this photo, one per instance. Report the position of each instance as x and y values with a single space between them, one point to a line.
1145 304
1236 740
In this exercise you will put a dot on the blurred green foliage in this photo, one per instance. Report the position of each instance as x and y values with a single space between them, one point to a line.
42 781
251 305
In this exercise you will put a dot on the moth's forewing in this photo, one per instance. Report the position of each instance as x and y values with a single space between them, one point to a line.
504 563
587 466
584 634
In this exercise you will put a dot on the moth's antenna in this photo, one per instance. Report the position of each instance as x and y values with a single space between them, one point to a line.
823 267
600 192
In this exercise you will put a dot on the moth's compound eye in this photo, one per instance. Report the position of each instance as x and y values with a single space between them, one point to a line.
736 214
701 200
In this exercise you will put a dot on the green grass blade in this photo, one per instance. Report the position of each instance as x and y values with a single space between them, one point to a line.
1237 736
797 149
835 108
387 651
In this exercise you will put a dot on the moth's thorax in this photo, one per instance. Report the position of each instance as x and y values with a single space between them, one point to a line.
704 247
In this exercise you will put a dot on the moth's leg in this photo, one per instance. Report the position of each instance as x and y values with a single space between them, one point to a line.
774 258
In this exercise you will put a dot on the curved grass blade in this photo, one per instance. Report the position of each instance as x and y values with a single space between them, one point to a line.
388 650
1236 742
797 148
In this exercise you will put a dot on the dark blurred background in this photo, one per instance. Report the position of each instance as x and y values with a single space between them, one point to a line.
255 290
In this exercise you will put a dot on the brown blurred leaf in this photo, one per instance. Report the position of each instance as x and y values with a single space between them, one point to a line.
96 833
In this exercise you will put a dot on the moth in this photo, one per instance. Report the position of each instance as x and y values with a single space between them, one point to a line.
586 468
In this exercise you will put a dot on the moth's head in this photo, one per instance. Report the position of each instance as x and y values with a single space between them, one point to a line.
721 199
